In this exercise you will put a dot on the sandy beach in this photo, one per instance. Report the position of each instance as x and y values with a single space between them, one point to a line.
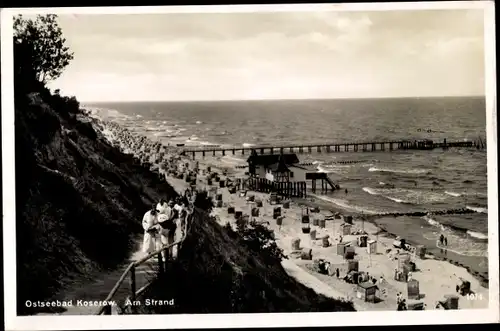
436 278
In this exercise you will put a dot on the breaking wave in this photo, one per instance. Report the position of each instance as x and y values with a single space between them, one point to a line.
406 196
453 194
400 171
478 209
372 191
477 235
457 229
435 223
398 200
323 169
347 206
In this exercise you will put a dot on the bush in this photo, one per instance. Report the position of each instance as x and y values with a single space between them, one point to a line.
259 239
203 201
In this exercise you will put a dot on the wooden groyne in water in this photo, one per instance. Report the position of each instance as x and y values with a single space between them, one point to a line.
373 146
458 211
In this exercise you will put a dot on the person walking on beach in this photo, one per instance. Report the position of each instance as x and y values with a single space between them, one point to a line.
337 272
151 240
445 241
346 191
441 239
402 304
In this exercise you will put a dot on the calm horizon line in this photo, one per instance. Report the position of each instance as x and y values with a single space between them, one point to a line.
292 99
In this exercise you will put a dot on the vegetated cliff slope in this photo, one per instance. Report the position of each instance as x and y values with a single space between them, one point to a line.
218 273
79 201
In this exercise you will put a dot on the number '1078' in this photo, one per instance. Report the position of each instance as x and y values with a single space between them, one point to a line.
474 296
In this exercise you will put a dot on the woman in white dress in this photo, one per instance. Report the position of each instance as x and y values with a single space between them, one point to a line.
150 225
162 206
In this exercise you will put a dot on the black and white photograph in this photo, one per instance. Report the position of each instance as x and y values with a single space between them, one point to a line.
221 164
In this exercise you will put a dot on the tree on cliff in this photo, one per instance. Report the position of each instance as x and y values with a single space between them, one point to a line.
40 53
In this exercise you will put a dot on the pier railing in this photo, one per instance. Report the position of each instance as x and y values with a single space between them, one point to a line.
366 146
131 269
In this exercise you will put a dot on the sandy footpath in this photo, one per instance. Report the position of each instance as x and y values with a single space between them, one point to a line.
436 278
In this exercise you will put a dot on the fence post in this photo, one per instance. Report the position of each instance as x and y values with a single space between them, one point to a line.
160 263
107 310
132 288
167 256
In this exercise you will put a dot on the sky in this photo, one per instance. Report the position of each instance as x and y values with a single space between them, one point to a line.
274 55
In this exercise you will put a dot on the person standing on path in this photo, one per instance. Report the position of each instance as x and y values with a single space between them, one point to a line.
178 206
162 206
177 234
151 231
183 211
167 223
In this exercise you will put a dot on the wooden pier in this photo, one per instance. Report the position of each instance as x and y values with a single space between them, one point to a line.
375 146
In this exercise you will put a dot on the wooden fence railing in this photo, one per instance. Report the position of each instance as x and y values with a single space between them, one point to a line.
130 270
286 189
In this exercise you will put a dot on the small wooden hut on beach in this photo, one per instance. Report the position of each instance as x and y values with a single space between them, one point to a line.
284 174
367 291
272 165
372 247
346 229
277 173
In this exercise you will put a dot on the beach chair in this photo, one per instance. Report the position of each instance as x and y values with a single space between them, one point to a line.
273 198
304 215
306 228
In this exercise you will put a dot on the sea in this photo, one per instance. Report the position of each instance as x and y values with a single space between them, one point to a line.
377 182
